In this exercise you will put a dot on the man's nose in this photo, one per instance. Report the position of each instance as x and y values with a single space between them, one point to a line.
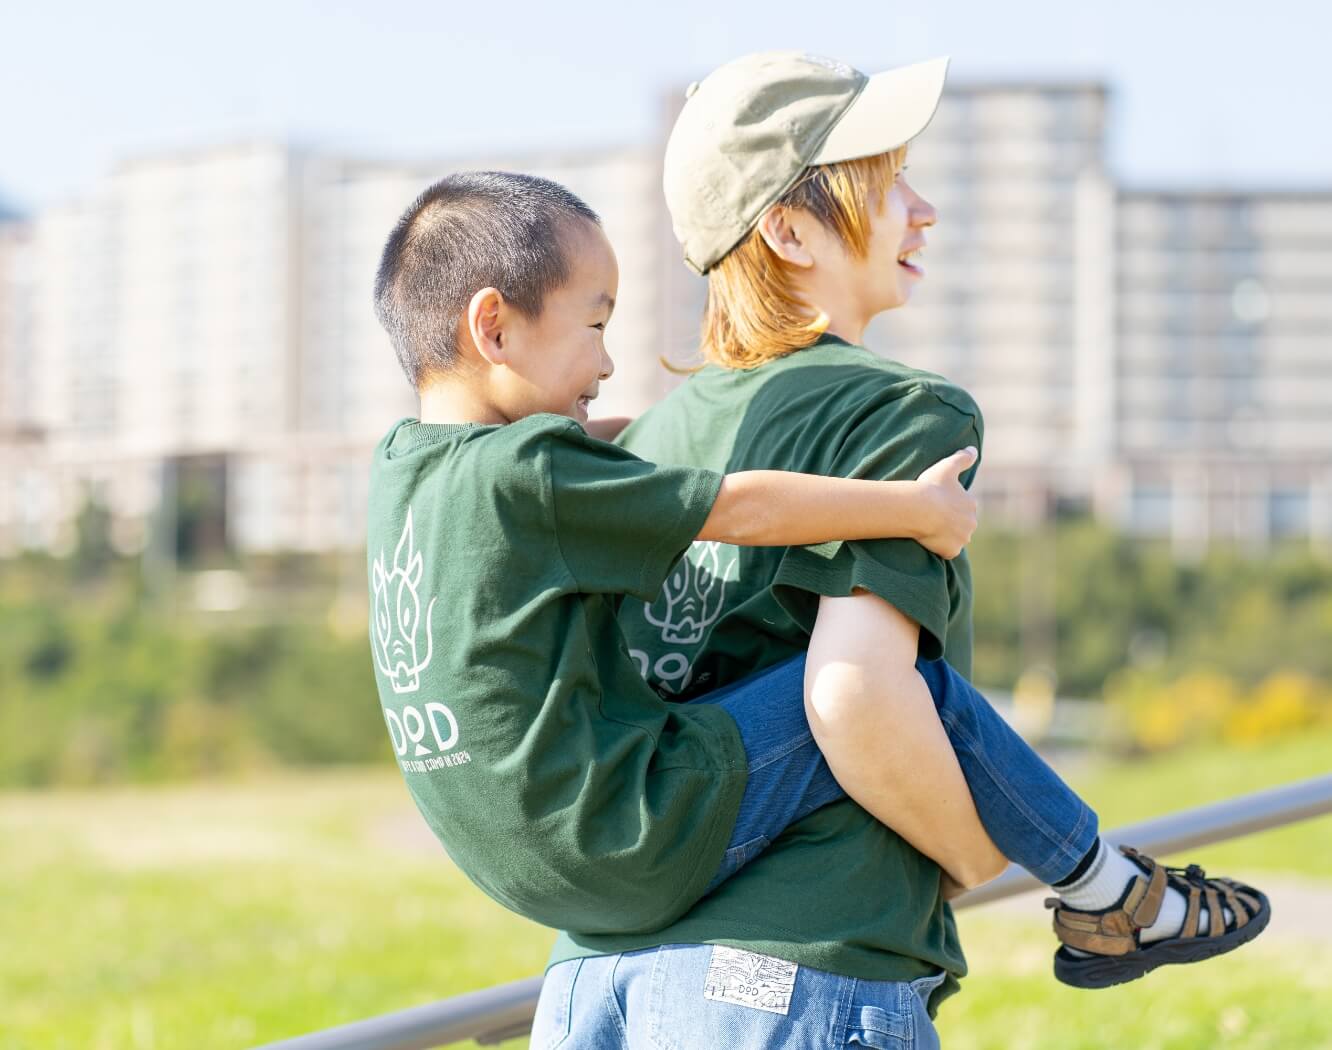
921 211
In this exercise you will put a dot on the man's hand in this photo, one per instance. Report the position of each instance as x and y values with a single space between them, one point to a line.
948 510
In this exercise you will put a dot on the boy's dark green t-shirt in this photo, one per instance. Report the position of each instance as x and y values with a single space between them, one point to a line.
555 777
837 891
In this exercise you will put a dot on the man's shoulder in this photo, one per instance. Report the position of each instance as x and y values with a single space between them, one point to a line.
859 372
868 391
829 394
838 369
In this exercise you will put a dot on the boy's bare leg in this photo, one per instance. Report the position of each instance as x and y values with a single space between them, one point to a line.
875 722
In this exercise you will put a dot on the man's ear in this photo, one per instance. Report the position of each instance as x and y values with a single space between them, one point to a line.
486 314
780 229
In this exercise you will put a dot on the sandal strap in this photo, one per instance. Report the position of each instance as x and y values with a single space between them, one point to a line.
1190 927
1216 918
1233 903
1117 931
1114 932
1143 903
1203 891
1250 903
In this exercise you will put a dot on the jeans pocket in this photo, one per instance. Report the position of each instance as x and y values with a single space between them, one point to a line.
874 1026
924 987
554 1012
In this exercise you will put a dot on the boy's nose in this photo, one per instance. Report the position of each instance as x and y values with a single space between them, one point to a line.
607 365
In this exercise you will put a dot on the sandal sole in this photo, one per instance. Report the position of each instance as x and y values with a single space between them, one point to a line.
1104 971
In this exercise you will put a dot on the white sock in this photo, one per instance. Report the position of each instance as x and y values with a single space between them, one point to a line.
1103 885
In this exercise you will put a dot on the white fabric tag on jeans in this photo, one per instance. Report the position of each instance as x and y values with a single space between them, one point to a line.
749 979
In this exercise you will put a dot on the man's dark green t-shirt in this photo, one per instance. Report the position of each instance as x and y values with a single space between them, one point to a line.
555 777
837 891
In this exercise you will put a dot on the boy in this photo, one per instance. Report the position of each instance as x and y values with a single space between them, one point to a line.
501 537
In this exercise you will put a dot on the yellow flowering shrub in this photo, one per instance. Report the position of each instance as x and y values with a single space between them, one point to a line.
1153 714
1285 702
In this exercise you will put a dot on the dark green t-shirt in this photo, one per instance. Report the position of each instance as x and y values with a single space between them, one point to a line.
837 891
555 777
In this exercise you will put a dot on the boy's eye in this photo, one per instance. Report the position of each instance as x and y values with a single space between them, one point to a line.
600 325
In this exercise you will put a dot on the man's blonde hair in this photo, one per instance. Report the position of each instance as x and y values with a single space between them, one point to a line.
754 313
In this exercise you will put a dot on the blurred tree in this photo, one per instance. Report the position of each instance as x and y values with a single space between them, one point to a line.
108 686
93 550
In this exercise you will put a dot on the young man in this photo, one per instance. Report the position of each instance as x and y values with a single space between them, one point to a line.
783 177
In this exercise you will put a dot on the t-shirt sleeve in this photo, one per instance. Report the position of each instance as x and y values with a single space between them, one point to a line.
621 522
895 441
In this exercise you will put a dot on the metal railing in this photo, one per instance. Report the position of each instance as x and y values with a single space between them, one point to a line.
505 1011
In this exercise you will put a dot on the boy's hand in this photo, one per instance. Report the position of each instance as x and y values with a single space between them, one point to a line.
948 511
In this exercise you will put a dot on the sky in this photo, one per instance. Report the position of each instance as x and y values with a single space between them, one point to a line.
1214 94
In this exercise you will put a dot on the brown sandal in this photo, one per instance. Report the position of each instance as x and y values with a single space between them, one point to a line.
1112 937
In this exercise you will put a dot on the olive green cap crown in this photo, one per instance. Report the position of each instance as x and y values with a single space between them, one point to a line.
751 127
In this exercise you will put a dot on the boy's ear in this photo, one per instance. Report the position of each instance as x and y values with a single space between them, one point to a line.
485 323
780 229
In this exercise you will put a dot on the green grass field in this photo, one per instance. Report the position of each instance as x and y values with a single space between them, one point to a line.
224 915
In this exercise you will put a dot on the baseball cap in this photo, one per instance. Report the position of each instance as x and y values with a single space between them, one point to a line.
751 127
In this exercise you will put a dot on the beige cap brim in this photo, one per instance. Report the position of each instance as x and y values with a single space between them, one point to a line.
892 108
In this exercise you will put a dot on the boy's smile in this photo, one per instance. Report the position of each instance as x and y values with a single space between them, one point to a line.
558 359
555 362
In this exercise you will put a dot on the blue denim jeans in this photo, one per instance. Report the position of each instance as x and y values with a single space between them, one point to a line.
697 997
1033 817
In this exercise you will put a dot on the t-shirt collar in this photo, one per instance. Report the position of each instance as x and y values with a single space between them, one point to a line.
410 434
828 339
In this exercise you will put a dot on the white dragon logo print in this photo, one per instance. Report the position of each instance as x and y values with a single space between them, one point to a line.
397 615
691 599
690 602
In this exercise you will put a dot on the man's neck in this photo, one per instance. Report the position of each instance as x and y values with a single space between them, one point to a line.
845 319
852 331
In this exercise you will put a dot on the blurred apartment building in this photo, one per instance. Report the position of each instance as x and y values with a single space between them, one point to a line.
203 323
1222 380
1160 357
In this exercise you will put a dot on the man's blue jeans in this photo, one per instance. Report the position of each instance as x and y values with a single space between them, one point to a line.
675 997
666 997
1033 817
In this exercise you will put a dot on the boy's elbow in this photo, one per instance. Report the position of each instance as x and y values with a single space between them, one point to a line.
743 514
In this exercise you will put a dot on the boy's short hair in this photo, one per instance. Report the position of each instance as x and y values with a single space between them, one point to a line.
471 230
